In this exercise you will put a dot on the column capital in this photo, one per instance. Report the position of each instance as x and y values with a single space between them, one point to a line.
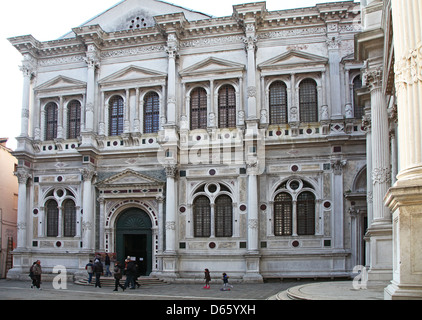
171 170
22 175
88 173
373 78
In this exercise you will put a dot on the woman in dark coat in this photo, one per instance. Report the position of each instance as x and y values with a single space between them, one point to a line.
207 279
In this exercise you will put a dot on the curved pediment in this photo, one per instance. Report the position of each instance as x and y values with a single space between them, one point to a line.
129 178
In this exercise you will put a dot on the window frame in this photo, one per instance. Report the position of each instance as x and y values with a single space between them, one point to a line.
116 109
223 216
51 120
278 110
198 108
227 106
308 101
69 218
151 112
52 217
74 109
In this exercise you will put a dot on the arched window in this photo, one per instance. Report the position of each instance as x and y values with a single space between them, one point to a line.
51 116
306 214
308 101
69 218
358 109
151 113
198 109
74 119
223 216
202 217
227 107
116 116
278 103
52 218
283 209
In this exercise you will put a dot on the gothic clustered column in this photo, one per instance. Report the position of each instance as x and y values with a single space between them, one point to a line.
404 198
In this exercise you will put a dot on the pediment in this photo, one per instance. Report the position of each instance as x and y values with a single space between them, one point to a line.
61 83
213 65
293 58
133 74
129 178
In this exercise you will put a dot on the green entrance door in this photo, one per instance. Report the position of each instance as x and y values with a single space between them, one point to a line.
134 238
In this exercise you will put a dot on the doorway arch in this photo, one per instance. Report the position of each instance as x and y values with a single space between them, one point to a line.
134 238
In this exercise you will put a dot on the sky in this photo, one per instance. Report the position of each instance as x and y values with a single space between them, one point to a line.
49 20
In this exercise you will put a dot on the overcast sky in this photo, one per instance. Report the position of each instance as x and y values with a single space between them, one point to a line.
50 19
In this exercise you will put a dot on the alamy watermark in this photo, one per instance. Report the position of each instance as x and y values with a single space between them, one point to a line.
360 281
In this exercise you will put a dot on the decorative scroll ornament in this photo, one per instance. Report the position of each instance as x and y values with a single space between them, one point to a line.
381 176
408 69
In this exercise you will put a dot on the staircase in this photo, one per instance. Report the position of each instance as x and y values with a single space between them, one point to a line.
109 281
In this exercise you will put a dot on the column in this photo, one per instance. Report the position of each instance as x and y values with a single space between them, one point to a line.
404 198
28 72
253 257
93 62
88 224
379 230
338 204
23 177
250 42
170 255
172 50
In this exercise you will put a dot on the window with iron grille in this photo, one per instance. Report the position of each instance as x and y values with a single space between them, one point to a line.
198 109
202 217
69 218
306 214
151 113
74 119
227 107
278 103
52 219
223 216
283 208
51 116
116 116
308 101
358 109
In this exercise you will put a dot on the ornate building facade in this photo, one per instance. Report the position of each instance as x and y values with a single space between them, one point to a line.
232 143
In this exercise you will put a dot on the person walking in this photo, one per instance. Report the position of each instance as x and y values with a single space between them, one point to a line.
207 279
130 274
90 269
31 274
226 285
117 277
37 271
98 270
107 265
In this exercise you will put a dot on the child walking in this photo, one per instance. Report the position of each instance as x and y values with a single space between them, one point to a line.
207 279
226 285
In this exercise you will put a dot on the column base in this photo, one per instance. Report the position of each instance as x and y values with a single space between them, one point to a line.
397 291
252 268
170 272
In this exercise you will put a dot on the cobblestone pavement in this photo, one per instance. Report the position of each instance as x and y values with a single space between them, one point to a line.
21 290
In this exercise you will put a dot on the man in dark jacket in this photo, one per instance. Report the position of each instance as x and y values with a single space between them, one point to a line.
130 274
98 270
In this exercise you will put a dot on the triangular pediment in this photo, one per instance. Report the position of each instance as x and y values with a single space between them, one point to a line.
129 178
61 83
134 75
293 58
212 65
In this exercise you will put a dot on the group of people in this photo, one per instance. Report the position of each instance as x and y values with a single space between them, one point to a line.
226 285
129 268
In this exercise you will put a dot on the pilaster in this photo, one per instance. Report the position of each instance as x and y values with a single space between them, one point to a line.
404 198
